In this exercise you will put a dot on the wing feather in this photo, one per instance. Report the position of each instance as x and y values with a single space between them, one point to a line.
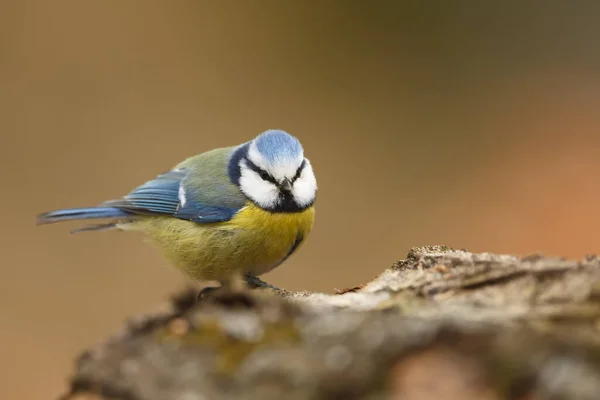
161 196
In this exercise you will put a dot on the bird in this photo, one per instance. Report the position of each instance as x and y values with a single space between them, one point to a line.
236 210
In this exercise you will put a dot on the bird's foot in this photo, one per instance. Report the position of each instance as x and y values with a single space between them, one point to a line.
227 296
252 281
207 292
255 283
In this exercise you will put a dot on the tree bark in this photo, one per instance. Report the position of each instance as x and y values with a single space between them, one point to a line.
441 324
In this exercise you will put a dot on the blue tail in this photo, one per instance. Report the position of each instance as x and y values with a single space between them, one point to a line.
80 213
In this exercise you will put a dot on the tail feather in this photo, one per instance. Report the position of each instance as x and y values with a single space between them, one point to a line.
80 213
96 228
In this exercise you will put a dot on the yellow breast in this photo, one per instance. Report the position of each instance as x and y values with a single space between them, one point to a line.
253 242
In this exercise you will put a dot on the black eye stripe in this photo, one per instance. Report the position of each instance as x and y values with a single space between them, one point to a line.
267 177
299 171
263 174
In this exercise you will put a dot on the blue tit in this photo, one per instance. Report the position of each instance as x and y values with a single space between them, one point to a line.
233 210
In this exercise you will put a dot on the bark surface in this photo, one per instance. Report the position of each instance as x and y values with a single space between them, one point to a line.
441 324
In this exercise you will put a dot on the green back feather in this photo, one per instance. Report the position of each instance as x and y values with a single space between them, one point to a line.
208 180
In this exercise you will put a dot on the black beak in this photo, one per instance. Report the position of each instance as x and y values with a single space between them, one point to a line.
286 185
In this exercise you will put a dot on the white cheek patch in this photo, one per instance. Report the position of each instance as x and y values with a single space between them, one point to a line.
264 193
305 187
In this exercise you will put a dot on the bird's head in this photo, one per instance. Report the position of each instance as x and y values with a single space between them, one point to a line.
272 171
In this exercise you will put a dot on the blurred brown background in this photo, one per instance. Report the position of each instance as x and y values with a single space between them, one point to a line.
454 123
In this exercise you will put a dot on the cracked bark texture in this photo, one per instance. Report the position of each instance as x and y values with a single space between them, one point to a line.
441 324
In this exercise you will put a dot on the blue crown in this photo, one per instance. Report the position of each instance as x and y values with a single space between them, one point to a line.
277 146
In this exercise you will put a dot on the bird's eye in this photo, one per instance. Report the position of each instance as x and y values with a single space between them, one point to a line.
264 175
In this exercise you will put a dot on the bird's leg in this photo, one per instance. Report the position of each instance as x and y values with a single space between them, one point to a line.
207 291
234 283
252 281
255 282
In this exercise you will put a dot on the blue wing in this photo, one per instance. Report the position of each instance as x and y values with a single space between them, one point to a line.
167 194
